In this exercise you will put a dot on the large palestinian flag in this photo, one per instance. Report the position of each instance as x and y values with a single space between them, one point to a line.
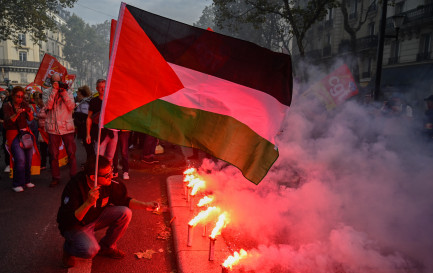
197 88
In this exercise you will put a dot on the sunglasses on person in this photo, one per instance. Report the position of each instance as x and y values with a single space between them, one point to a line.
19 96
107 175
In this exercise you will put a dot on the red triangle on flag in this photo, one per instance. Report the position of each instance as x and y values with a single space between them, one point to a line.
138 73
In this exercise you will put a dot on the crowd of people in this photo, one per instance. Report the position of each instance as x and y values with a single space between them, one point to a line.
53 120
37 126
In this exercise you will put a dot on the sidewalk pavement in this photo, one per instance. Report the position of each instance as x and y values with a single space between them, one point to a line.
193 259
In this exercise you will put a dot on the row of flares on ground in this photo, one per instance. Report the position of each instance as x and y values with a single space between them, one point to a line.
193 185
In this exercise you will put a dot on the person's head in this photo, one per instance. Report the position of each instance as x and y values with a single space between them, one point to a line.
27 97
17 94
83 92
100 87
37 97
105 171
55 77
395 104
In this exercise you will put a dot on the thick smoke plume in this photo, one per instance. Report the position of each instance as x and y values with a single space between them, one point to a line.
350 192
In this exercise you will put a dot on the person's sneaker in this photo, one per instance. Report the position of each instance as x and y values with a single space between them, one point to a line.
68 260
7 169
54 182
149 159
125 176
112 253
30 185
116 174
18 189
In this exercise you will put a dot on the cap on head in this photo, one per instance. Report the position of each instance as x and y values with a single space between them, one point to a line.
429 98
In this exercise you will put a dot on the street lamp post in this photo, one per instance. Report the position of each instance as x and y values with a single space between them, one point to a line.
397 21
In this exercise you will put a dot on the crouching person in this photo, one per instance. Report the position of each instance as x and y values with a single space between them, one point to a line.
79 218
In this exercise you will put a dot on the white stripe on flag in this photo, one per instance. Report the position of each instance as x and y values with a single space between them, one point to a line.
256 109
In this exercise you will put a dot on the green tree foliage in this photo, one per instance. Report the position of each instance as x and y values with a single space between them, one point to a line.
29 16
296 16
268 33
86 47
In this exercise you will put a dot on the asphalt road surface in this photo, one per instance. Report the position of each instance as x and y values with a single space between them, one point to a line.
31 242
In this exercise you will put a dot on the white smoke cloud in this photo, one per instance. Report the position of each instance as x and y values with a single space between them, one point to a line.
349 193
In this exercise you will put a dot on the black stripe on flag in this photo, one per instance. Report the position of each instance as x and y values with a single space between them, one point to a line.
225 57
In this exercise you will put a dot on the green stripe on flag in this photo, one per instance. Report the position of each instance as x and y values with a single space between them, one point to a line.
218 135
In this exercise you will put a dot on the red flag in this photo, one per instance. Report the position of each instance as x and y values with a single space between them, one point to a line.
69 79
34 87
47 68
197 88
125 81
335 88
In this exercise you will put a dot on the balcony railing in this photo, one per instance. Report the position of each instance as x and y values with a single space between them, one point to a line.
17 63
314 54
363 43
366 74
420 14
423 56
393 60
366 42
344 46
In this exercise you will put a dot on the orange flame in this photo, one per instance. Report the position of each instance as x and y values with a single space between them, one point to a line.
219 225
204 201
202 215
194 181
233 260
188 178
200 184
190 171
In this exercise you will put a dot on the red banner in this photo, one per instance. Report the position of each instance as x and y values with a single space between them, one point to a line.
69 79
335 88
34 87
47 68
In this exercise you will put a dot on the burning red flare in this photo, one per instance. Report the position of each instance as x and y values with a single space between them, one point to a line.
199 184
190 174
222 222
233 260
190 171
203 215
194 181
204 201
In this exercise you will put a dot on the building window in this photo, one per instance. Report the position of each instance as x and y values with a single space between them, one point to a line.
425 47
23 77
371 28
22 39
23 56
398 7
328 39
329 15
425 42
353 8
395 51
367 68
